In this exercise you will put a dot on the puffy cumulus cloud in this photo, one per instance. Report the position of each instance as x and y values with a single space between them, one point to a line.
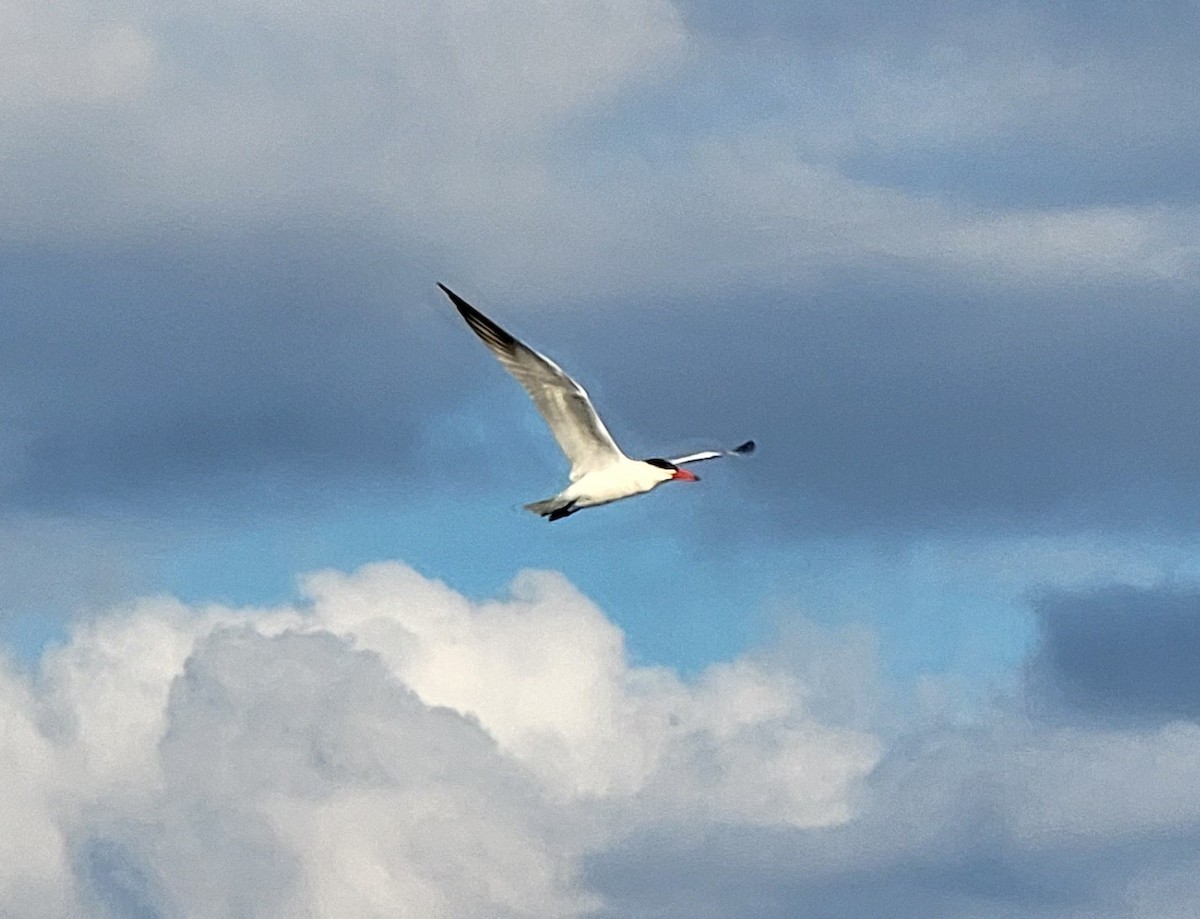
35 879
546 674
357 798
387 746
390 745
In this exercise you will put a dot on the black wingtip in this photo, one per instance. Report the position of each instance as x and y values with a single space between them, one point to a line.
463 306
479 322
454 298
747 447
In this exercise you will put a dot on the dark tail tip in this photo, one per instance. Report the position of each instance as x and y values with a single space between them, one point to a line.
747 447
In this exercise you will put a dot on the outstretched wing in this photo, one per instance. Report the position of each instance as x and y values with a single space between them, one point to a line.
741 450
562 401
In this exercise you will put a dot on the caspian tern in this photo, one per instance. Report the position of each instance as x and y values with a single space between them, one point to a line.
600 472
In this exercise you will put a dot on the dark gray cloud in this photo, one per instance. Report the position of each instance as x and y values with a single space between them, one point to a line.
212 353
1121 653
907 401
776 875
924 21
168 367
189 367
913 405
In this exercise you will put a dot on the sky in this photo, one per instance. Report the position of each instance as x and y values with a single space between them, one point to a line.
276 637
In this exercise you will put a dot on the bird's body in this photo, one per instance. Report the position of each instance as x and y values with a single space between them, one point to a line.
622 478
600 472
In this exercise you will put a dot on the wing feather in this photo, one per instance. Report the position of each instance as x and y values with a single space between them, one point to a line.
742 449
562 402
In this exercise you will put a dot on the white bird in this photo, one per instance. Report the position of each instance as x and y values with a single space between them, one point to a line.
600 472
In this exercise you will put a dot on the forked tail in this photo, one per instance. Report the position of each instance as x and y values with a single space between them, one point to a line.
554 508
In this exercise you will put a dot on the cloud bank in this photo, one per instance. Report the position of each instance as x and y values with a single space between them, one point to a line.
959 236
527 143
390 746
1120 653
1089 813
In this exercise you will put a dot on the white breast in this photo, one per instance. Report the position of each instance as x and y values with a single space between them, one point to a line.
622 479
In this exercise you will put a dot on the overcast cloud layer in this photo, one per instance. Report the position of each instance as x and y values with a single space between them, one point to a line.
225 224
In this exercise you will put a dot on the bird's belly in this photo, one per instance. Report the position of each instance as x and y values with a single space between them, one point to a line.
603 488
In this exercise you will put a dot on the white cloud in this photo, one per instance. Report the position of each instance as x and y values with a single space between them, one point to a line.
1093 244
1020 564
1062 783
545 673
751 207
388 746
997 82
433 111
448 120
65 53
362 800
34 874
518 62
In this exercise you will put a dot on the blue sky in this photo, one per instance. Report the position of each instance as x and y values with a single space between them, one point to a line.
939 260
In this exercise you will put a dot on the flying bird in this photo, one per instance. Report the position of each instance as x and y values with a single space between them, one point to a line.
600 472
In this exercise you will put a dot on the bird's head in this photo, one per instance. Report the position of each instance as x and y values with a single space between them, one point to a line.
671 471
